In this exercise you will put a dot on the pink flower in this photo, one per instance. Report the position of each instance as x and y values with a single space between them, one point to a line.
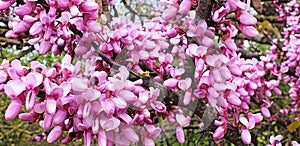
275 140
246 136
219 133
220 13
170 83
13 109
249 31
184 7
89 6
36 28
247 19
55 134
14 88
130 134
180 134
24 10
5 4
3 76
169 13
79 85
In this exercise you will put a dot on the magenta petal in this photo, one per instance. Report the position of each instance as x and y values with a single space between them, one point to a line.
246 136
87 138
265 111
51 106
11 34
187 98
55 134
225 72
149 141
247 19
160 107
102 139
23 10
252 85
201 28
207 42
36 28
63 4
184 7
217 75
20 27
219 133
33 80
44 47
109 106
125 117
47 122
180 135
14 88
127 95
4 5
234 99
13 109
59 117
229 43
120 103
78 85
130 134
86 109
185 84
12 72
244 121
235 70
249 31
169 13
171 83
30 100
182 121
39 107
89 6
3 76
257 117
28 117
95 126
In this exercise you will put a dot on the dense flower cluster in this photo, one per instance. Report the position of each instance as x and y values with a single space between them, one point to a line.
54 25
291 49
102 97
62 101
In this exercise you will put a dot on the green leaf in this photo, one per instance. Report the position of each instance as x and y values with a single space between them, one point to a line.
293 126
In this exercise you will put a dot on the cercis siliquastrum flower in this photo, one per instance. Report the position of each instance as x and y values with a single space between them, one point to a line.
107 99
54 25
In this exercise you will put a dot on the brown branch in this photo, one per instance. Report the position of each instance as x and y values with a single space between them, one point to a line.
75 30
203 11
21 54
135 12
247 54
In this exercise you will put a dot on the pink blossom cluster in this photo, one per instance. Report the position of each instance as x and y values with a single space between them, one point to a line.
52 24
101 100
61 100
291 49
230 84
246 22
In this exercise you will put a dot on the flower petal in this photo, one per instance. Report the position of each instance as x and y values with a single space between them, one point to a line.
180 135
55 134
246 136
13 109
